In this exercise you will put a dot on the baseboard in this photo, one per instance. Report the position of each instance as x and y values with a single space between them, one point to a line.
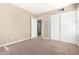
3 45
46 38
33 37
59 40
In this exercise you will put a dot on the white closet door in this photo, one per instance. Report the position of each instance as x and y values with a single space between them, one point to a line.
55 27
68 27
33 27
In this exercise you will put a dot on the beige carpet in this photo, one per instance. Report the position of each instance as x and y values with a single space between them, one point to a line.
39 46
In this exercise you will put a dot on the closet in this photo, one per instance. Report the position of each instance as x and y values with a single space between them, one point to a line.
63 27
68 27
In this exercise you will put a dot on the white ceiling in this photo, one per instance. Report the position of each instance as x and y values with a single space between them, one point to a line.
38 8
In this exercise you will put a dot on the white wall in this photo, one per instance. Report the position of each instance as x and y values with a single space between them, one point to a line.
42 27
14 24
49 27
78 25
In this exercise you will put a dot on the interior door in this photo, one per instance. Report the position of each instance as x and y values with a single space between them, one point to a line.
33 27
55 27
68 27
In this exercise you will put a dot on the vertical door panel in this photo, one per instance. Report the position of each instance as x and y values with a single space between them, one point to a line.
78 27
55 27
33 27
68 27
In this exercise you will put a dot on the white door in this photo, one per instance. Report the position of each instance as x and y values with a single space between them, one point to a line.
33 27
55 27
68 27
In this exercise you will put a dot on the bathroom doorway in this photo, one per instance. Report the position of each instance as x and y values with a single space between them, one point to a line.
39 27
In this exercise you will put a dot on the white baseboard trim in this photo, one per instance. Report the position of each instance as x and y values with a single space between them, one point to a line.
57 40
3 45
46 38
33 37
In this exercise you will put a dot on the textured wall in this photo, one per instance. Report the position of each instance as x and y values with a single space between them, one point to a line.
14 23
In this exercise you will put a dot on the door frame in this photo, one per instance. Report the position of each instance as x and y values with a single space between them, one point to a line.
35 29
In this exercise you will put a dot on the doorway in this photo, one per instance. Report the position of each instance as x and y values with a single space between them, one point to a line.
39 25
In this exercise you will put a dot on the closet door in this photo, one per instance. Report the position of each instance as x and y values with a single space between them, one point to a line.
68 27
55 27
33 27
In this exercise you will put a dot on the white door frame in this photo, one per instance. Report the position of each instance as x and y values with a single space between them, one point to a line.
33 27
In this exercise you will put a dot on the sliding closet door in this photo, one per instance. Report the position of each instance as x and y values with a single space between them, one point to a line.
55 27
33 27
68 27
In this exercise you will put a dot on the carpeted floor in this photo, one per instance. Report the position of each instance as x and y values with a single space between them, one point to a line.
39 46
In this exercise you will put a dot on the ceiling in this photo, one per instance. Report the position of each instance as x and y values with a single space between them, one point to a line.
38 8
